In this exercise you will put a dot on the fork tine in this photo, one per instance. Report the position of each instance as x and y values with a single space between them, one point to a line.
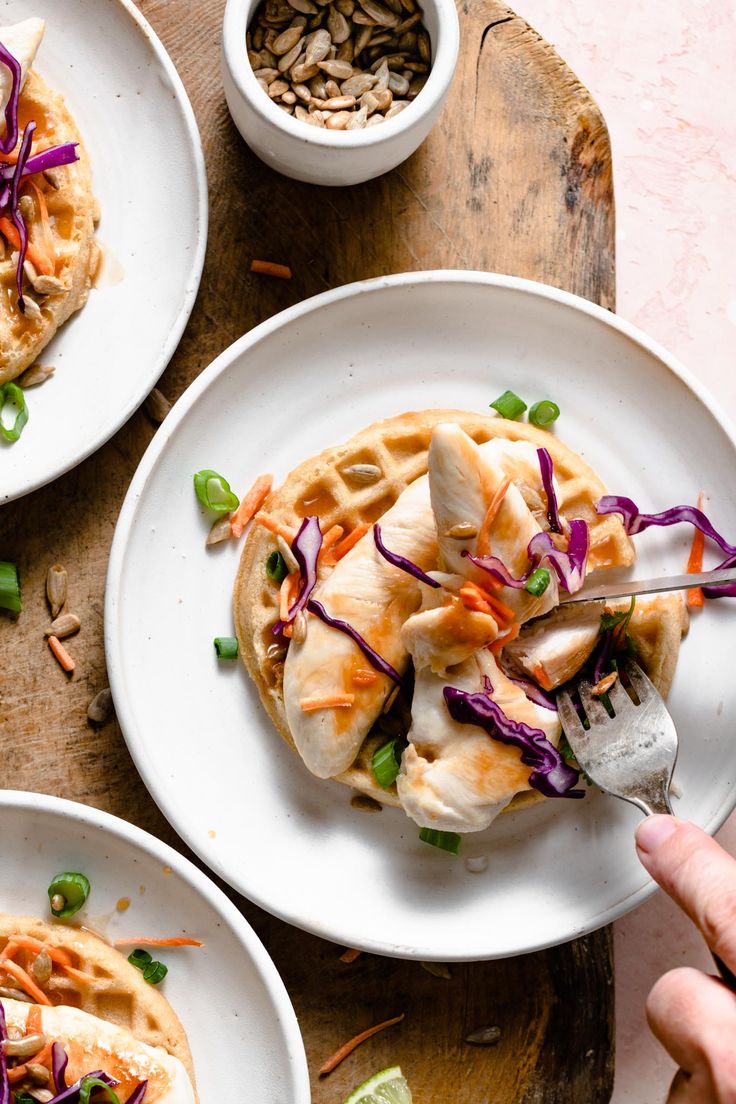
571 723
645 690
594 708
619 699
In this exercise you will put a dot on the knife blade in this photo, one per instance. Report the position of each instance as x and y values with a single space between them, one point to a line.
627 588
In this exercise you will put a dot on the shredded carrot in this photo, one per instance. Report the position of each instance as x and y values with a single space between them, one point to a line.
33 1020
270 268
500 609
61 654
25 981
362 677
331 537
9 950
695 598
326 701
176 941
34 255
48 240
274 526
350 955
477 598
250 504
502 641
287 594
17 1074
28 943
339 550
350 1046
43 1057
471 599
484 536
79 975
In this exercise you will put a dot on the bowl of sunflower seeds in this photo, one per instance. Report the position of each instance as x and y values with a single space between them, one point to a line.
337 92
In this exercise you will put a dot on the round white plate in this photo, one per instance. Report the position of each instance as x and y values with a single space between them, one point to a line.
228 995
309 378
148 173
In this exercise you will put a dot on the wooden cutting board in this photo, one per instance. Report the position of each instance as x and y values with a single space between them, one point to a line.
516 178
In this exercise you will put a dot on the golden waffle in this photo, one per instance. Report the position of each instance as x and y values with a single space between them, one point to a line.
321 485
71 213
118 993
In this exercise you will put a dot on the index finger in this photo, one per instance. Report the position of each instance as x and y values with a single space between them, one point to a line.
697 873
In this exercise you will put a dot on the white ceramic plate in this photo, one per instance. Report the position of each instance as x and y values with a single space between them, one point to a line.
148 172
310 377
228 995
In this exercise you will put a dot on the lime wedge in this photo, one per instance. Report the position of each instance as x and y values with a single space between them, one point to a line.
387 1087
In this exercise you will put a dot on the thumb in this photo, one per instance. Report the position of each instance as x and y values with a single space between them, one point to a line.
697 873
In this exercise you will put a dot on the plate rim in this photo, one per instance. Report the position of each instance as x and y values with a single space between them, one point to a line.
166 349
94 819
126 521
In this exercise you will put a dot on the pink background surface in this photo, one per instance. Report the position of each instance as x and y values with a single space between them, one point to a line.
663 76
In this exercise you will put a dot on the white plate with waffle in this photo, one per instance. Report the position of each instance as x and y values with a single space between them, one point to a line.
140 133
228 995
311 378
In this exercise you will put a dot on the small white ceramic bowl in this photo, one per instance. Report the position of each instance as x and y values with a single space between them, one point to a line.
317 155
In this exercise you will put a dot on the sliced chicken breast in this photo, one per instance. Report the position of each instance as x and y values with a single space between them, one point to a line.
22 40
553 650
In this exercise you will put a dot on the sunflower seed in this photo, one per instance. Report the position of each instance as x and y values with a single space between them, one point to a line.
220 531
32 308
416 87
484 1036
318 88
64 625
358 84
318 48
362 473
398 85
37 1074
391 61
100 708
362 39
346 51
157 406
381 78
267 75
332 89
41 967
286 41
424 47
29 271
339 120
289 98
358 119
463 530
299 628
340 70
255 59
363 19
383 16
345 7
56 588
51 179
277 88
306 7
407 24
302 91
36 374
25 1047
339 103
374 119
288 60
25 205
14 994
396 108
301 73
43 1096
302 114
437 969
385 97
338 26
416 66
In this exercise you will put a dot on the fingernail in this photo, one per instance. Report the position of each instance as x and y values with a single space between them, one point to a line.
653 831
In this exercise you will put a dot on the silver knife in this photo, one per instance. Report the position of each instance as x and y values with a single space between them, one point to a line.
627 588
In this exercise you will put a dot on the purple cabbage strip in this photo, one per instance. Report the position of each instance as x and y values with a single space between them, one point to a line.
59 1062
604 653
4 1083
373 657
52 158
534 693
401 561
137 1094
498 569
546 469
568 566
10 138
636 522
70 1094
306 548
550 775
725 590
15 215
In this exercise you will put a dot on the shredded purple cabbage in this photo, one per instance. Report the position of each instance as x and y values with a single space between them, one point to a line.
603 655
69 1095
372 656
306 548
498 569
534 693
59 1062
52 158
568 566
725 590
636 522
137 1094
10 138
401 561
4 1082
546 469
550 775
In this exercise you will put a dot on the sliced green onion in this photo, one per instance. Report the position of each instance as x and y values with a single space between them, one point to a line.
544 413
140 958
12 395
68 892
276 568
509 405
448 841
91 1085
213 491
155 972
386 764
23 1098
226 647
9 587
538 581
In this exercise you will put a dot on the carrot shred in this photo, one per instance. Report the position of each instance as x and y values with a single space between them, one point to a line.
477 598
333 1062
9 950
695 599
337 552
270 268
350 955
176 941
362 677
25 981
501 642
33 1020
274 526
43 1057
250 504
61 654
17 1074
287 594
29 943
483 544
79 975
471 599
33 254
330 538
326 701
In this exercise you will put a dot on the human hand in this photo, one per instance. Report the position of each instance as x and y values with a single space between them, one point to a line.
692 1014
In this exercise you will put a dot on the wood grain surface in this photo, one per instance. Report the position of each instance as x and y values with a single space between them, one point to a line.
515 178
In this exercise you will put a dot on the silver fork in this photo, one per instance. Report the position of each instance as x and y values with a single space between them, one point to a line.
630 755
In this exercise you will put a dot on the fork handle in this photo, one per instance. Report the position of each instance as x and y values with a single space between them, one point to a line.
655 803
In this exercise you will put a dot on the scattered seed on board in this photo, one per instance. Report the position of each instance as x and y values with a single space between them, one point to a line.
35 375
484 1036
100 708
64 625
56 588
220 531
438 969
157 406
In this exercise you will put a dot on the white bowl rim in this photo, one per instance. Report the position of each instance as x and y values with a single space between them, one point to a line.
440 76
146 469
93 819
